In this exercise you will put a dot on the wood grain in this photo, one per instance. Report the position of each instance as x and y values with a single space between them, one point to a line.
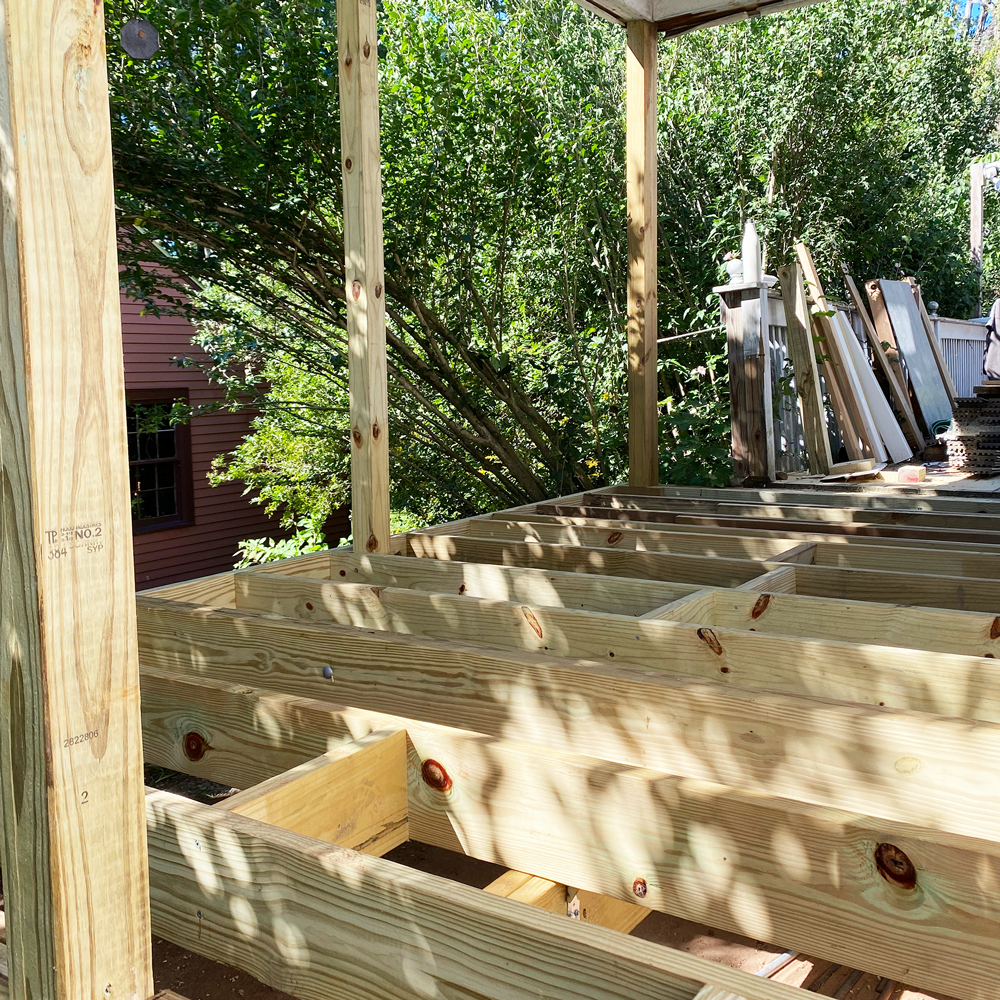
354 796
640 143
922 769
807 384
756 865
73 858
364 273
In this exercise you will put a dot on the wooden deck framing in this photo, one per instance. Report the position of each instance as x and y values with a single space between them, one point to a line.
791 733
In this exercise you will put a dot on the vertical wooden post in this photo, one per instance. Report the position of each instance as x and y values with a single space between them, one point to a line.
640 141
74 839
976 224
745 317
364 273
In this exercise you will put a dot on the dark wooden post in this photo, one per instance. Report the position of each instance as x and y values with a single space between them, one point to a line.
745 316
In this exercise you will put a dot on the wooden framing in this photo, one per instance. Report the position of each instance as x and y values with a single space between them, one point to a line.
640 140
73 858
364 273
559 695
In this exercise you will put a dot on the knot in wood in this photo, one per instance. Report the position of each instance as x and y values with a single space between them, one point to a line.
356 436
195 745
378 291
761 606
376 430
367 49
372 544
348 163
435 775
639 887
615 537
894 866
356 290
708 637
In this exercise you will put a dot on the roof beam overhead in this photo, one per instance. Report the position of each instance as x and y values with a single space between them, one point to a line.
675 17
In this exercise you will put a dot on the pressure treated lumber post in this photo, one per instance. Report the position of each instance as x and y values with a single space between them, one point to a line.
364 273
745 317
640 140
73 852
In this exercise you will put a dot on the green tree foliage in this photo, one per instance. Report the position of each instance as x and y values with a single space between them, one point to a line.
847 124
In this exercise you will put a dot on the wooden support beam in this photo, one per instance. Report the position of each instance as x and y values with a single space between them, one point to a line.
780 580
703 570
364 273
694 608
640 141
837 669
922 769
322 921
807 384
73 846
547 588
354 795
756 865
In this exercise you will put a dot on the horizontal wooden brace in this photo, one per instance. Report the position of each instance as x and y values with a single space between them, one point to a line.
916 768
874 675
848 531
939 591
319 920
855 555
765 867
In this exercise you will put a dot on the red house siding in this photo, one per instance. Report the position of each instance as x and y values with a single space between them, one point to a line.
222 516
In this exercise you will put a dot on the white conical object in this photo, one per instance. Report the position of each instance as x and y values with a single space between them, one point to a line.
751 254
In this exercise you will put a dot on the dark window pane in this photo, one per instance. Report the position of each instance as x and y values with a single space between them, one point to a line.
165 443
133 448
165 475
147 447
145 477
167 502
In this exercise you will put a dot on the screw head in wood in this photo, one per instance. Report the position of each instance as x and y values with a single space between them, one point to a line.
328 672
894 866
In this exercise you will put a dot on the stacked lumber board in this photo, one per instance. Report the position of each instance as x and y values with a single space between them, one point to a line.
772 712
974 438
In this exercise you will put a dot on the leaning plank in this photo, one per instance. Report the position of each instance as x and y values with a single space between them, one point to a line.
322 920
72 845
869 675
755 865
807 383
920 362
901 765
942 365
885 420
891 372
354 796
